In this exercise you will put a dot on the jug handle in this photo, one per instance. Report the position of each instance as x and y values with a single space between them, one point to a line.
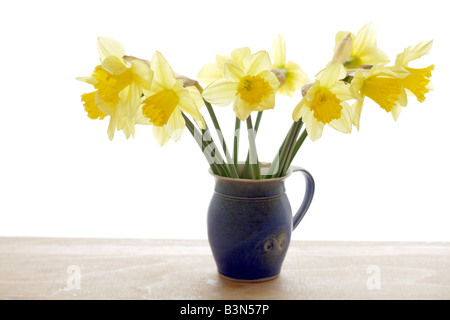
309 193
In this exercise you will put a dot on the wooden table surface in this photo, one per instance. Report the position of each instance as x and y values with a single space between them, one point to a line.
55 268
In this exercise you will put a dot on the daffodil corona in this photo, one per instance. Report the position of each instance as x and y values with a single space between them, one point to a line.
324 103
250 88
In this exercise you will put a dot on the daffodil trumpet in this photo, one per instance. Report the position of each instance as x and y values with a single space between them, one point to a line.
134 91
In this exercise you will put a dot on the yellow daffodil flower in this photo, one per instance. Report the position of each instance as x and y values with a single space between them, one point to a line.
360 49
214 70
119 81
251 88
289 74
165 102
417 83
324 103
382 85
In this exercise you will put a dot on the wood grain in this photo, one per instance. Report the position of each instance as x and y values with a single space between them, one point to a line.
37 268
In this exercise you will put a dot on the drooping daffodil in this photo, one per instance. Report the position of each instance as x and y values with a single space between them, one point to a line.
250 88
119 82
383 86
389 86
166 100
360 49
324 103
417 83
289 74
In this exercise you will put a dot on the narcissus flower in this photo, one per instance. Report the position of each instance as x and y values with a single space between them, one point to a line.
165 102
119 81
360 49
251 88
290 75
215 70
383 86
324 103
417 83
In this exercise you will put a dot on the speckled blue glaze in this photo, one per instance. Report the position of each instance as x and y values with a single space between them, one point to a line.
250 224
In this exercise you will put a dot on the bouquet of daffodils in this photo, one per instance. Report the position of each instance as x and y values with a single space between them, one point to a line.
132 91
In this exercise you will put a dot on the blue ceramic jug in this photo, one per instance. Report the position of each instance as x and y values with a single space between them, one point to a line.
250 224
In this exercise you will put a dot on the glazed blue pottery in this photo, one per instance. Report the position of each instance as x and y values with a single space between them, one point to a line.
250 224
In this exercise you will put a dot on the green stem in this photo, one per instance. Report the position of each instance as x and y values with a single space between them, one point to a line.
229 162
237 133
298 145
292 142
212 147
277 161
202 144
246 169
252 149
281 162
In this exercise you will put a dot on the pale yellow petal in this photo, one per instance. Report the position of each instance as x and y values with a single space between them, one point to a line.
267 103
257 63
357 82
365 38
187 105
299 110
196 95
295 79
241 108
107 47
89 80
278 52
221 92
142 74
162 71
271 78
396 111
111 127
160 135
403 98
343 91
127 126
221 60
175 125
113 65
413 53
373 55
330 75
313 127
344 123
129 101
238 55
233 71
210 73
356 110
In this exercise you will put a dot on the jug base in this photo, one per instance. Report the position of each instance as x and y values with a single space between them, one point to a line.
249 281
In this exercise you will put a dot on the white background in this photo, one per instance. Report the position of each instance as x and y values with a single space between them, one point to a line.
61 176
